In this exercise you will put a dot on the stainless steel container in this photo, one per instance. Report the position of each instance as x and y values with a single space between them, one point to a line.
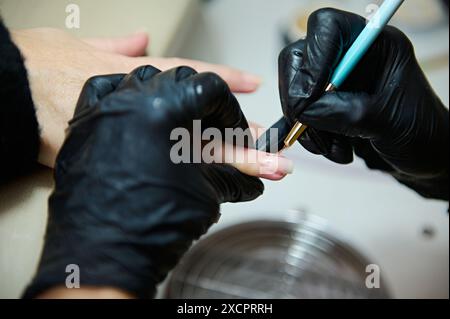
292 258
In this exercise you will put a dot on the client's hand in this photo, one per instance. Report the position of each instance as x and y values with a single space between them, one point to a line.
122 210
58 65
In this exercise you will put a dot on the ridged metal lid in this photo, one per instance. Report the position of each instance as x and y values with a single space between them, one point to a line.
264 259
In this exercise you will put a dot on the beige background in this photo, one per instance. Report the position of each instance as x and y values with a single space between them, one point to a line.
164 20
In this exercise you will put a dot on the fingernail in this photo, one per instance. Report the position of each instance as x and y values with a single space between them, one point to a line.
274 164
248 77
251 81
285 166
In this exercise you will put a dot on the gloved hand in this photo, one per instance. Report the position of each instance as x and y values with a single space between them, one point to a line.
386 112
122 210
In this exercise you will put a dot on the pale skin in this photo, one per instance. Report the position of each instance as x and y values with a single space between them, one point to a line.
85 293
59 64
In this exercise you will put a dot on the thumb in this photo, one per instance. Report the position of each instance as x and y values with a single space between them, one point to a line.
133 45
348 114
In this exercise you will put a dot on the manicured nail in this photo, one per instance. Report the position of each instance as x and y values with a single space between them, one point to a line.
248 77
250 81
285 166
276 165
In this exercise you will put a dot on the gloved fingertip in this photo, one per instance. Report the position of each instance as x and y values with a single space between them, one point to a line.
147 72
341 150
343 158
184 72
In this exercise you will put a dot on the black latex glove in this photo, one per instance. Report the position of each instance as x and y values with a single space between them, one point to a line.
121 210
386 112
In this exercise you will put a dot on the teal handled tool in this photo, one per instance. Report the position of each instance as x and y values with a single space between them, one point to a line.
353 56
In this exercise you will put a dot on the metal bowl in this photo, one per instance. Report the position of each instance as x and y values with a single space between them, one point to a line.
265 259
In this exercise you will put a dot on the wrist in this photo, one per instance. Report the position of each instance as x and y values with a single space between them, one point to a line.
51 123
62 292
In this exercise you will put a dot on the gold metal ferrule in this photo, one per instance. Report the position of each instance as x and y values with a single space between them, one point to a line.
299 128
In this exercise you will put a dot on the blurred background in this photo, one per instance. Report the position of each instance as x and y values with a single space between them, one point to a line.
390 225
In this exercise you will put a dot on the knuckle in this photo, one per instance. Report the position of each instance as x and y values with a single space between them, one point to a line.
396 37
324 16
93 83
360 114
295 49
357 114
187 69
142 70
93 80
214 78
153 113
183 72
210 83
290 62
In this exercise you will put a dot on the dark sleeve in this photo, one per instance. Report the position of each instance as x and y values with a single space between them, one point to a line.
19 133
